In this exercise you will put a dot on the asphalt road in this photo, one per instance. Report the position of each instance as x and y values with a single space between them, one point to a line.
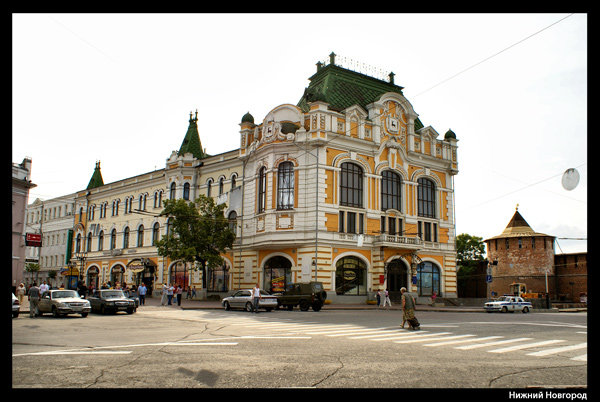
166 347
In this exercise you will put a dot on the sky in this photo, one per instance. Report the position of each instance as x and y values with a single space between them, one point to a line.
119 88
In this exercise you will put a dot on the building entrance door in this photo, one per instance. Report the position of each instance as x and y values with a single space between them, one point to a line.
397 278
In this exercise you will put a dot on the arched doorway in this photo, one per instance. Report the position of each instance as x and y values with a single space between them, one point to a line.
92 278
278 273
397 278
117 275
178 274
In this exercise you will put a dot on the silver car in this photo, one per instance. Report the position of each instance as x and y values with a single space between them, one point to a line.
243 299
62 302
15 306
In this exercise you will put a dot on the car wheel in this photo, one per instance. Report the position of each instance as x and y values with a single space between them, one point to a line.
316 306
130 310
525 310
268 309
504 309
84 315
227 306
55 313
290 307
15 314
102 309
249 307
304 306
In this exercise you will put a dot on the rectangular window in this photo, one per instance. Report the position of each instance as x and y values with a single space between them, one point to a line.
533 242
506 244
351 228
342 221
392 226
361 224
427 231
382 224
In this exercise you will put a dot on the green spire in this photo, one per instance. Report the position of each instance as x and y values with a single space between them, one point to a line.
96 180
191 143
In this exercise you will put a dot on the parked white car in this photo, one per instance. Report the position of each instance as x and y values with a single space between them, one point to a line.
243 299
505 304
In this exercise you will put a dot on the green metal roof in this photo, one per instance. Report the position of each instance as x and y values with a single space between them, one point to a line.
342 88
191 142
96 180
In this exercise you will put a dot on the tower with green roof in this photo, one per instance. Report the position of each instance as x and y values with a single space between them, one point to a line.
191 142
96 180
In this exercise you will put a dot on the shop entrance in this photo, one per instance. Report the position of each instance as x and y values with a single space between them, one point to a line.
397 278
278 272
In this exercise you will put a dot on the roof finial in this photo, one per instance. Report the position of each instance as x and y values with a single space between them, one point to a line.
517 208
332 58
196 118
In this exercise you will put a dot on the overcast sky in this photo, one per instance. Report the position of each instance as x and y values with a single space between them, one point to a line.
118 88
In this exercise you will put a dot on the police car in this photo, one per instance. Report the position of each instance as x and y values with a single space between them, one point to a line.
505 304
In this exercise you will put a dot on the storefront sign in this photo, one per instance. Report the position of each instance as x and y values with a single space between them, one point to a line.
33 240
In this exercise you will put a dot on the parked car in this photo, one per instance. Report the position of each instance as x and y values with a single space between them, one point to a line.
111 301
505 304
305 295
243 299
15 306
61 302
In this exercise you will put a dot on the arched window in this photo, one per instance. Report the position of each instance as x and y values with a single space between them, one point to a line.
155 233
391 190
278 273
140 239
428 279
285 185
172 191
351 185
221 185
89 242
113 239
101 240
262 189
351 276
78 243
218 279
233 180
186 191
426 197
232 221
126 238
209 187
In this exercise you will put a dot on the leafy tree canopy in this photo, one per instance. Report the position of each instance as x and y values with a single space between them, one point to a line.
198 231
470 251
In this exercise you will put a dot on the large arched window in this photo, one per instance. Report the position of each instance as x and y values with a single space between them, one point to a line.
172 191
262 189
140 239
113 239
428 279
351 276
426 197
218 279
155 233
126 238
351 185
391 190
232 218
101 241
186 191
285 186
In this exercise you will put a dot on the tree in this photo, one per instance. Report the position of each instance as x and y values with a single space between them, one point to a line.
470 251
198 231
32 267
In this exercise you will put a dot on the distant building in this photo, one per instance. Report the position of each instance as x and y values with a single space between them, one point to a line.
21 183
521 255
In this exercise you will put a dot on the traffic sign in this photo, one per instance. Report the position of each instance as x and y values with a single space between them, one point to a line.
488 278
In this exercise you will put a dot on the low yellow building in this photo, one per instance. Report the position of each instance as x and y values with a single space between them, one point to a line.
346 187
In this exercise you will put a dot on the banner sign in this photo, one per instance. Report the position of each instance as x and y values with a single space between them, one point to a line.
33 240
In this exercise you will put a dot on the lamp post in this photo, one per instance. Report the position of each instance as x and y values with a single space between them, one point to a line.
81 257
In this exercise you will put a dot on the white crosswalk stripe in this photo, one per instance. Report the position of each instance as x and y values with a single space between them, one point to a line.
453 342
420 338
582 358
481 345
525 346
364 331
558 350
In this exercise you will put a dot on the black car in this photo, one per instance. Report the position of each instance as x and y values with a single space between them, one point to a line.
132 295
111 301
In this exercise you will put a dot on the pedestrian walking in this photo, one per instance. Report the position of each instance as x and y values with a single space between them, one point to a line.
34 299
387 299
256 298
164 297
379 298
21 293
142 289
44 287
179 294
433 297
408 310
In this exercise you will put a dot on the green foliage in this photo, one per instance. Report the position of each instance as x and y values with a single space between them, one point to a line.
470 251
198 231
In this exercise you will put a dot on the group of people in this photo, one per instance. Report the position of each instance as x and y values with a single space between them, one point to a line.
169 292
408 307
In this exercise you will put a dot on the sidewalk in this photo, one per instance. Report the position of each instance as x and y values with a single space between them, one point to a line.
154 302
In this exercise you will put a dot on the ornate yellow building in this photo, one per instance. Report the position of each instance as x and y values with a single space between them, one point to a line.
346 187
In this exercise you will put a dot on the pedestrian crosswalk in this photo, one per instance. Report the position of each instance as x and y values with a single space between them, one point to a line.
429 337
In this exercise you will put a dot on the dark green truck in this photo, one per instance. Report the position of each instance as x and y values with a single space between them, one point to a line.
305 295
